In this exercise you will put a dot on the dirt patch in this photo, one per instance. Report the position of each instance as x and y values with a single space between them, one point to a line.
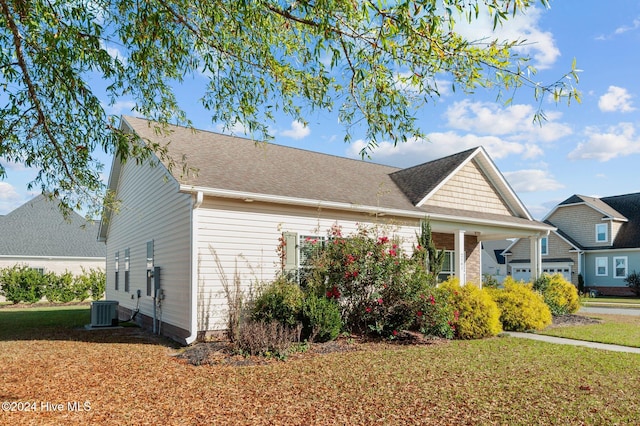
224 353
572 319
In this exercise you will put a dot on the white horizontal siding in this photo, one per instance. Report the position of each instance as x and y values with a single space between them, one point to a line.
245 238
152 208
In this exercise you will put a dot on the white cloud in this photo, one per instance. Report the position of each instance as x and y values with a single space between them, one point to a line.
539 45
10 165
121 107
515 120
416 151
617 141
635 24
616 99
532 180
9 198
114 52
298 130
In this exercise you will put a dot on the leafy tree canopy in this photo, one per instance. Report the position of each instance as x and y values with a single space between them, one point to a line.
374 62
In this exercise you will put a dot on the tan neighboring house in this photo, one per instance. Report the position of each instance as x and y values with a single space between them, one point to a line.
195 232
597 238
37 235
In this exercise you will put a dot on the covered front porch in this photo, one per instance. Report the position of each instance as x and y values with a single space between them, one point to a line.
462 239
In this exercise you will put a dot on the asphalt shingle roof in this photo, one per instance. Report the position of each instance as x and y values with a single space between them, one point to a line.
243 165
37 228
629 206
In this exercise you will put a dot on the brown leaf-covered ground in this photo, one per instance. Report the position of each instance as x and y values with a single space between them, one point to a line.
126 376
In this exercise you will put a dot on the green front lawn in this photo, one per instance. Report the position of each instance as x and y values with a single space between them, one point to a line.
615 329
130 377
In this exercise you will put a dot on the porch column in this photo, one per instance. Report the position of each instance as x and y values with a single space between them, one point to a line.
536 257
460 262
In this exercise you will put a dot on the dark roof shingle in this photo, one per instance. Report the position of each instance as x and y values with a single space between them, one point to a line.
37 228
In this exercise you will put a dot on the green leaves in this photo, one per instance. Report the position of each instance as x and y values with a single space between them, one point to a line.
376 63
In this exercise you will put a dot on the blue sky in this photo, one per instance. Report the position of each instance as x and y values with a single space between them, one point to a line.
591 148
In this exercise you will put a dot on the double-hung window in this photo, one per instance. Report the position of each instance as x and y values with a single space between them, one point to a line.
544 246
602 233
601 266
620 267
448 268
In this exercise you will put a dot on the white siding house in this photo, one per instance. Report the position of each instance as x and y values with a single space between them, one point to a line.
224 221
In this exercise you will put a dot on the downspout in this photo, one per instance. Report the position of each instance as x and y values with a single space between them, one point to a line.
194 268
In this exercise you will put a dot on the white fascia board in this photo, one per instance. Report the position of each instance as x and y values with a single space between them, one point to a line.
454 220
613 251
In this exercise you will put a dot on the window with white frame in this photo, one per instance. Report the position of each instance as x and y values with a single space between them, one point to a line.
116 267
601 267
620 267
602 233
127 261
448 267
308 246
544 246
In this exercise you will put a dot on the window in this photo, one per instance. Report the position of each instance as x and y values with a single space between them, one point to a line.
149 268
620 267
126 270
308 246
38 270
544 246
448 268
116 268
601 266
601 233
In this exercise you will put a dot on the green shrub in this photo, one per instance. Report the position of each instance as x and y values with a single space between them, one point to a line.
521 308
371 276
559 294
59 288
321 320
633 282
279 301
476 315
20 283
94 280
434 314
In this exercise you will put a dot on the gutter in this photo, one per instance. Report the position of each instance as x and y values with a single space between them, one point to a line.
197 202
306 202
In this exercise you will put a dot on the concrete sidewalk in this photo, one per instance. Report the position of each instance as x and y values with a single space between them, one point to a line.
563 341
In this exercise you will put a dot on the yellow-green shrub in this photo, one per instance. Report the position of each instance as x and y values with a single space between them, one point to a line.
521 308
476 314
559 294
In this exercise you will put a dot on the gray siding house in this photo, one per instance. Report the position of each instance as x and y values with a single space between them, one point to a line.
37 235
219 214
598 238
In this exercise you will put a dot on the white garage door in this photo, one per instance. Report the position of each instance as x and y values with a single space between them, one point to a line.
524 273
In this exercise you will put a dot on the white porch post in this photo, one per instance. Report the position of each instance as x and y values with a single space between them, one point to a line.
460 263
536 257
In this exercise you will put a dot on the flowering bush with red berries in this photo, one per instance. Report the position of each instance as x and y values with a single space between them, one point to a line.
435 316
374 280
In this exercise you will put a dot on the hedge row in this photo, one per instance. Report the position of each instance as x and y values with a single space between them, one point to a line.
20 283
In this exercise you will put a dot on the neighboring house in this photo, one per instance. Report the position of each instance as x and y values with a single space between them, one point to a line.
37 235
493 261
200 233
598 238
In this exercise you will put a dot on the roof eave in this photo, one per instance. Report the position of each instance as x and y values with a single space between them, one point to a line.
532 227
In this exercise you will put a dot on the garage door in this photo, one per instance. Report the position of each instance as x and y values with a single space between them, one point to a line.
524 274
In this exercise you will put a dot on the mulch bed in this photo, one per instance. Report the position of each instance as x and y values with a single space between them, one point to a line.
223 352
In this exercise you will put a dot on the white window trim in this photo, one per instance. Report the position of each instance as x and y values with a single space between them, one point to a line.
606 232
544 246
606 267
626 267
